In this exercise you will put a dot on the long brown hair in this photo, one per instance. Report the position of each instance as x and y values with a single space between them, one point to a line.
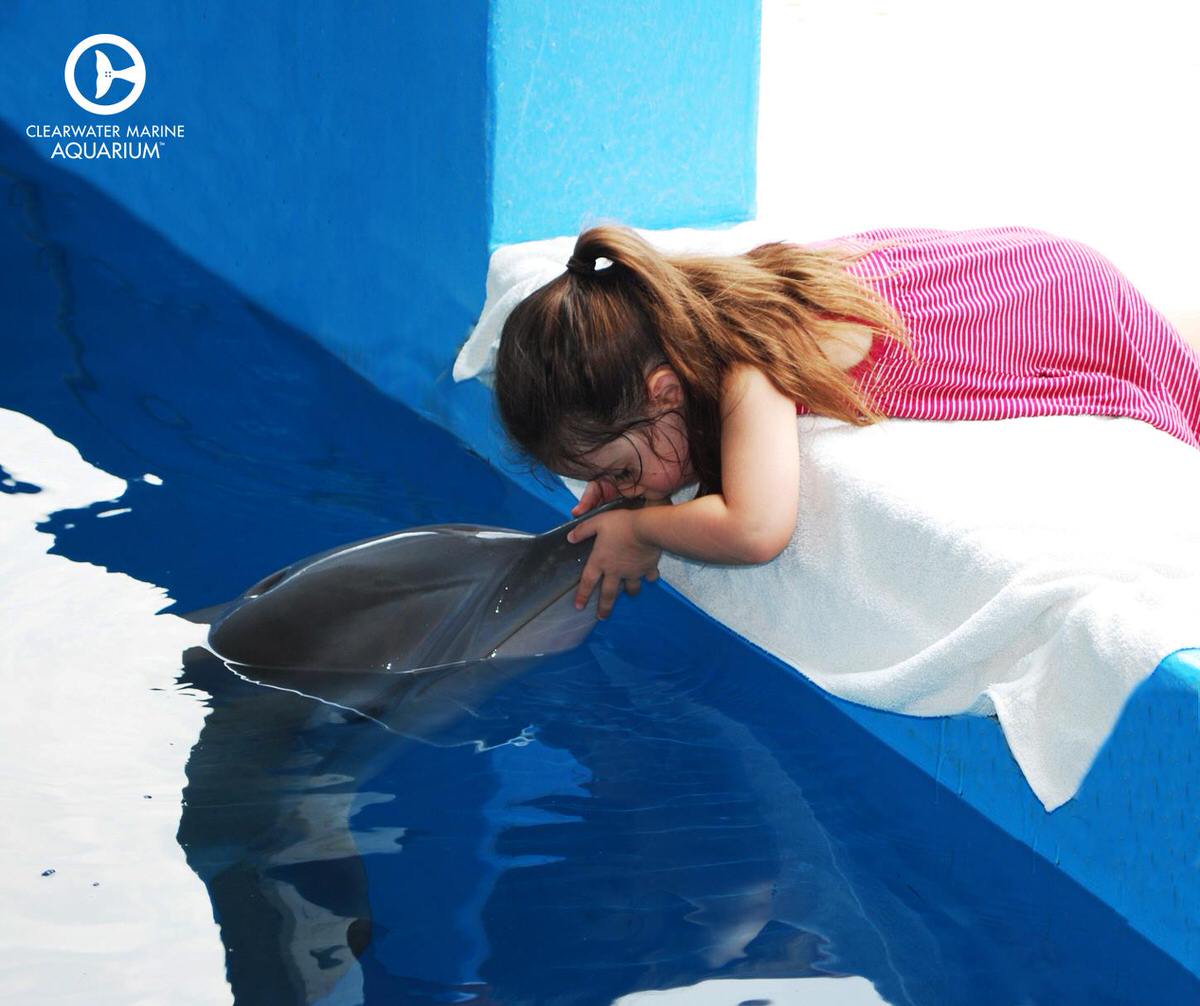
574 355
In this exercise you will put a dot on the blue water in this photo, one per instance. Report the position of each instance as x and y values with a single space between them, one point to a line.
648 811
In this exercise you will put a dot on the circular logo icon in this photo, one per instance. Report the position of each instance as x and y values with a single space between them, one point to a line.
106 73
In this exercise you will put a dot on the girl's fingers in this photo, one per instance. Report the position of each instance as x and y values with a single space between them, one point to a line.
596 492
609 590
581 506
584 590
581 531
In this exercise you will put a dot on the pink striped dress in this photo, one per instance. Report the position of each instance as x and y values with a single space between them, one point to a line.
1012 321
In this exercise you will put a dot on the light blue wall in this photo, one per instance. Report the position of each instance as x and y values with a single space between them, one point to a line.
644 112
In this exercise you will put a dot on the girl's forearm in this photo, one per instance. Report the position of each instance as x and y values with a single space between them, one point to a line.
703 528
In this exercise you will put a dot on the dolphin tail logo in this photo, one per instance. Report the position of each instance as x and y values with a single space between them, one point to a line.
105 74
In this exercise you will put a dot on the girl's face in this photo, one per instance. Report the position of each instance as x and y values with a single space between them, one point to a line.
650 460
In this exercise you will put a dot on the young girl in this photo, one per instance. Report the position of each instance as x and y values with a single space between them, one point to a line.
656 371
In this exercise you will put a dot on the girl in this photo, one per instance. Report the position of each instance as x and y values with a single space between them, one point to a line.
656 371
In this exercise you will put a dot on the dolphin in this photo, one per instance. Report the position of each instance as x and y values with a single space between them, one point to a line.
411 600
344 631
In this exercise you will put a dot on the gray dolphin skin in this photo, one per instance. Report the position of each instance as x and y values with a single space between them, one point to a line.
415 599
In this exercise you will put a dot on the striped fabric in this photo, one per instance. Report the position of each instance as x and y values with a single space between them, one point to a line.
1012 321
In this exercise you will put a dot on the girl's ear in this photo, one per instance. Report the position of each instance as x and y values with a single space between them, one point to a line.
663 388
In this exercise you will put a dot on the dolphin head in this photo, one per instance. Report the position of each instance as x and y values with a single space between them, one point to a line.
423 597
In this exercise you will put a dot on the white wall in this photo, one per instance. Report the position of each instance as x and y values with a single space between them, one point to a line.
1078 118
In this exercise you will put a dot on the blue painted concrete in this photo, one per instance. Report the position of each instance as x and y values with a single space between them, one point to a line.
352 173
333 164
641 112
1129 835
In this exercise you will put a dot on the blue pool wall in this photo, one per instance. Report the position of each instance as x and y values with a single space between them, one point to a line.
351 169
366 223
1129 834
333 166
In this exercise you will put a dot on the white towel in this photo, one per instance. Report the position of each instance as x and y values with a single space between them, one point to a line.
1037 569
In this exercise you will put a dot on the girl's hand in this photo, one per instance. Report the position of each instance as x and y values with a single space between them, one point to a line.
618 554
596 492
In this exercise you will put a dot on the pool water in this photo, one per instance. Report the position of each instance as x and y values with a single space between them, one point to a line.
651 811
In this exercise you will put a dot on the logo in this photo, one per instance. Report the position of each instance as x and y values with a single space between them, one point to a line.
120 78
134 73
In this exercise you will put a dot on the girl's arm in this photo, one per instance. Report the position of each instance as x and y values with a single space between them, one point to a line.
752 519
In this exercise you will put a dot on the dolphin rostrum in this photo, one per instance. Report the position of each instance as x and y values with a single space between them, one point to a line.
411 600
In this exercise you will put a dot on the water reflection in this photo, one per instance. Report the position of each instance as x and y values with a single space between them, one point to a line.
592 825
275 784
